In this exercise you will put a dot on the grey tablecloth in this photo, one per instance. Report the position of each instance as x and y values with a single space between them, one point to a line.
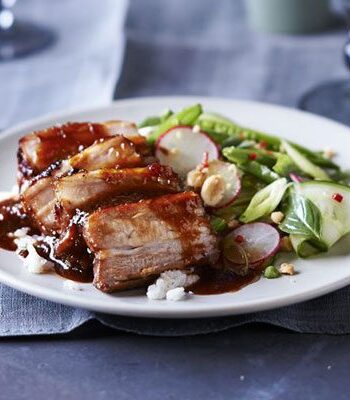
196 47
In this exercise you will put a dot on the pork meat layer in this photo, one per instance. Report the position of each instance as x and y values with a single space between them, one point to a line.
87 191
136 241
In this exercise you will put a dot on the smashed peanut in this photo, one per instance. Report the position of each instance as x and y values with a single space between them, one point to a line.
277 217
213 190
287 269
233 223
328 153
196 178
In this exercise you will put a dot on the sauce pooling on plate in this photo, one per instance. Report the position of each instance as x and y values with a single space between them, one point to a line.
217 281
12 217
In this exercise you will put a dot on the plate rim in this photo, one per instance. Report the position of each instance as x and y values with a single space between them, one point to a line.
144 309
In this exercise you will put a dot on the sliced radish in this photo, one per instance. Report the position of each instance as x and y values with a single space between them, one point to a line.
183 148
257 242
231 178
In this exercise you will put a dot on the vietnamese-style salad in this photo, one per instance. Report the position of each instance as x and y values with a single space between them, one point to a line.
264 194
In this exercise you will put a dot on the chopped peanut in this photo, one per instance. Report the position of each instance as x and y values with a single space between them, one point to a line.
233 224
196 178
286 269
213 190
286 244
277 217
328 153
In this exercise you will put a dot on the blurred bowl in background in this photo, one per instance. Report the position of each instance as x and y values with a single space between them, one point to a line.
290 16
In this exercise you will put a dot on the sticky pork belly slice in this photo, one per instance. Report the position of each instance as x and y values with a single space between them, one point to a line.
114 152
39 198
39 201
38 150
141 240
87 191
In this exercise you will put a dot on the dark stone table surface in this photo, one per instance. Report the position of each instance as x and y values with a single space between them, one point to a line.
247 363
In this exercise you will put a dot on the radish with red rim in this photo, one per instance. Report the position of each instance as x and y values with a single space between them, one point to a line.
260 242
183 148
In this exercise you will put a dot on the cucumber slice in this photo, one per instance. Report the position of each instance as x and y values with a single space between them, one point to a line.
333 202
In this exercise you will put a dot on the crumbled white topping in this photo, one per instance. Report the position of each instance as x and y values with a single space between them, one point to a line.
20 233
167 282
196 128
71 285
157 291
33 261
176 294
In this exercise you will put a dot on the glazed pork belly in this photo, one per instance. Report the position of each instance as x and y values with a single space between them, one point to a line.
87 191
39 203
52 201
39 199
134 242
114 152
38 150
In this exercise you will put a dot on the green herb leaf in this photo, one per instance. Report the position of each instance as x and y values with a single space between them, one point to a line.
302 218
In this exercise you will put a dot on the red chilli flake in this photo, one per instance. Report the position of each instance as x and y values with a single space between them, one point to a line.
337 197
252 156
262 144
239 239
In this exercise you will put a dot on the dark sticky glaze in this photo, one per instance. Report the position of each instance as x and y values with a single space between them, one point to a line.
56 143
181 222
71 256
116 187
218 281
12 217
24 170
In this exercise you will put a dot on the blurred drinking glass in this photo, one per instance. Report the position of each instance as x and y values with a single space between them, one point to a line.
332 99
20 38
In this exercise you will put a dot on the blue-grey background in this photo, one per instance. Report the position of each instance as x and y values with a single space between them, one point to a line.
196 47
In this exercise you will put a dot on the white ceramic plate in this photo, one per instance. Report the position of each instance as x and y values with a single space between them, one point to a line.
315 278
